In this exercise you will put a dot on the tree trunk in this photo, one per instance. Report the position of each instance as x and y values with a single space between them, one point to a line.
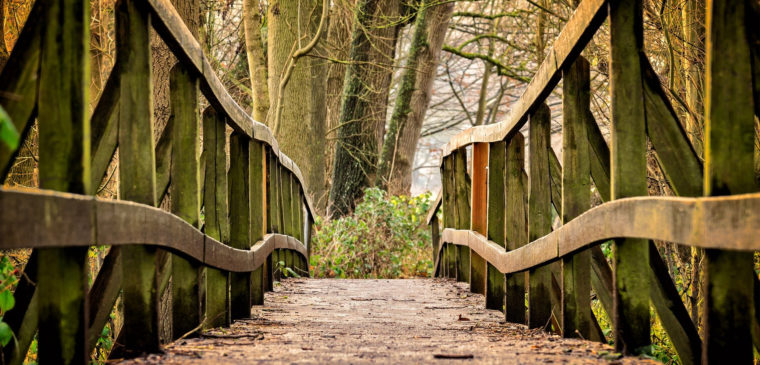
413 97
291 26
338 45
257 64
356 147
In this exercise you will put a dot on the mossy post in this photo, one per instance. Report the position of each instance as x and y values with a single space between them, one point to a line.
628 150
240 222
64 152
185 196
138 174
497 164
452 252
258 213
540 213
449 209
463 212
576 197
517 230
216 223
729 169
475 219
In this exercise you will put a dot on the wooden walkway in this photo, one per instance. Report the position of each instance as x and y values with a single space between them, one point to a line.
379 321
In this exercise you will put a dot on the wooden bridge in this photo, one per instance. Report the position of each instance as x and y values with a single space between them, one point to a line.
497 223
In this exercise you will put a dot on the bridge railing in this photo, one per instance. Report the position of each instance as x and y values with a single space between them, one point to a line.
497 213
229 232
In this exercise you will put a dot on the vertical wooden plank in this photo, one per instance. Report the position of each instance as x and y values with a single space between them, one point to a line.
185 196
240 222
435 235
64 150
729 169
272 194
137 172
258 213
477 218
462 180
449 208
516 227
576 198
540 213
629 174
216 220
452 251
495 282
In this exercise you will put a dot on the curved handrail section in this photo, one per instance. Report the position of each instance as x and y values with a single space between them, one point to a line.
727 223
580 28
172 29
37 219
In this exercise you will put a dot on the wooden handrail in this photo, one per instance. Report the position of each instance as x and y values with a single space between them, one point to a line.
727 223
37 219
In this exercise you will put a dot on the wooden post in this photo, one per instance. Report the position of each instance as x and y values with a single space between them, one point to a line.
576 198
185 196
64 166
240 222
463 212
729 169
258 212
629 173
137 174
516 227
477 219
216 220
496 170
452 251
539 208
435 234
449 209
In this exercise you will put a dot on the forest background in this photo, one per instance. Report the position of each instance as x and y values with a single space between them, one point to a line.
363 94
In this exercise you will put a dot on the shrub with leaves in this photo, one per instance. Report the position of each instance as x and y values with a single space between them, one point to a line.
385 237
8 281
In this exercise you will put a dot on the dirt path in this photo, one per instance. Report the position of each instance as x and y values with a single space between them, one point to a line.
379 321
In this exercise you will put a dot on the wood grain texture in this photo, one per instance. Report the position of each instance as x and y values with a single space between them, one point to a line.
216 210
729 223
516 224
576 197
496 205
185 197
474 218
729 169
540 213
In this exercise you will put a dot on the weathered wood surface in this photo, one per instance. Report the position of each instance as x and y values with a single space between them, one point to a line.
729 223
39 216
575 35
496 203
465 212
516 224
476 218
576 197
540 213
729 169
306 321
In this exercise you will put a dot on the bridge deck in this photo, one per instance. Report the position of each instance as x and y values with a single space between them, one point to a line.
383 321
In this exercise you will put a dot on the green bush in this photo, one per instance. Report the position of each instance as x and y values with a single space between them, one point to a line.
385 237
